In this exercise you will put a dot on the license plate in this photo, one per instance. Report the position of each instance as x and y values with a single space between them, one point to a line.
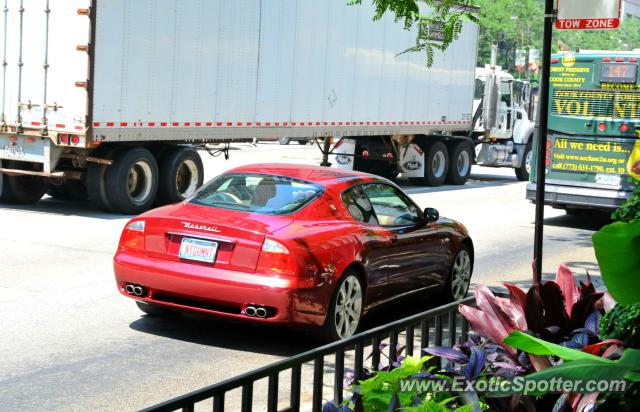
198 249
609 180
13 151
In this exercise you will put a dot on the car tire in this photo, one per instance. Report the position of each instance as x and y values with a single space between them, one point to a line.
69 190
459 279
96 178
284 140
181 174
333 328
460 161
157 310
436 164
524 171
23 189
132 181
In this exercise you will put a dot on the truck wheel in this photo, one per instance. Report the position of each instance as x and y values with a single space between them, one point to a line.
436 163
67 190
21 189
303 142
181 174
284 140
461 159
96 184
132 181
524 171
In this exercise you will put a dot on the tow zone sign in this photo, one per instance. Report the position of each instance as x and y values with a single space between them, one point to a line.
588 14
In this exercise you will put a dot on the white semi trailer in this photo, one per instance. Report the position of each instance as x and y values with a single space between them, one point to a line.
110 98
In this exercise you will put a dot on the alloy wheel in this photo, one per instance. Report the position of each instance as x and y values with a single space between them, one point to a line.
461 275
348 307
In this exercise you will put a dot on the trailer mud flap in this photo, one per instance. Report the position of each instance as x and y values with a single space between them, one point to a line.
412 161
343 154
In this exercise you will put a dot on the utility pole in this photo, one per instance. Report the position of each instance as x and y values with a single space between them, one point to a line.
549 17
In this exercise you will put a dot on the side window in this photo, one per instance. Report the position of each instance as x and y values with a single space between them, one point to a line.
359 206
392 207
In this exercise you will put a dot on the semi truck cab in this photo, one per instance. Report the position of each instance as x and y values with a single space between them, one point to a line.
503 131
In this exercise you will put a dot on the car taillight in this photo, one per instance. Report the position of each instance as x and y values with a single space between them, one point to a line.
624 127
276 259
602 127
133 236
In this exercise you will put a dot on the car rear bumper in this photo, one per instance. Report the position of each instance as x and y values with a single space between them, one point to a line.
578 197
219 292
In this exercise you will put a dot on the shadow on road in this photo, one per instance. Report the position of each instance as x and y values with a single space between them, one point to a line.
592 221
244 337
52 206
271 340
476 181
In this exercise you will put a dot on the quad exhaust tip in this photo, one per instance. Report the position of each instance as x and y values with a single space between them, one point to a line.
136 290
256 311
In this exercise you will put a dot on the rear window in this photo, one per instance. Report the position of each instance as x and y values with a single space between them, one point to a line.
256 193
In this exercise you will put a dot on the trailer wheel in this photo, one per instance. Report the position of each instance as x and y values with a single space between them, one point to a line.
284 140
132 181
303 142
523 172
96 184
21 189
436 164
181 174
461 159
67 190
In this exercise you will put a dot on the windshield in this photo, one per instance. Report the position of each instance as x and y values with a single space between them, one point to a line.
256 193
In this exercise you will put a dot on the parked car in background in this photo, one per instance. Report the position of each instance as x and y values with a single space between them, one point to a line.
291 244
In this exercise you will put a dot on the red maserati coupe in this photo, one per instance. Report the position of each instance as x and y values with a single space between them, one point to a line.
292 244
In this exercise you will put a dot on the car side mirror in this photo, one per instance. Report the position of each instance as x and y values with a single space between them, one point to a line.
431 215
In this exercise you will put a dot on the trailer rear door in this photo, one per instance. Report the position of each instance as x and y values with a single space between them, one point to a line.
39 42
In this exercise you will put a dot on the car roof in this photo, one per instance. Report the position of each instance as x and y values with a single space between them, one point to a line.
324 176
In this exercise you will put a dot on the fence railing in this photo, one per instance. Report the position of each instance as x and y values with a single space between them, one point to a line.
286 390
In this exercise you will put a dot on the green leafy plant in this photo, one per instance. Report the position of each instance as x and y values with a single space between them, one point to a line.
617 249
578 365
630 209
437 28
623 323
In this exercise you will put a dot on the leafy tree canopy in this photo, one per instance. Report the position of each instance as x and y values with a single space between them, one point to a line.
513 24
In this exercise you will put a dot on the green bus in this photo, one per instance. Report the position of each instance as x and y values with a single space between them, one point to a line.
593 149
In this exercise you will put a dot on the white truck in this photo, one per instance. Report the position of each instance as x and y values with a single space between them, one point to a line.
110 99
503 131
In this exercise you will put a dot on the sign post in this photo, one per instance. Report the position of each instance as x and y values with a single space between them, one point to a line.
568 15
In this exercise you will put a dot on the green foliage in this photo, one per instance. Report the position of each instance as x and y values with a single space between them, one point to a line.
623 323
433 406
512 24
578 365
630 209
378 391
616 247
535 346
448 15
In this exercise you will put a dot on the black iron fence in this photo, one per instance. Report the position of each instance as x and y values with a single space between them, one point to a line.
283 386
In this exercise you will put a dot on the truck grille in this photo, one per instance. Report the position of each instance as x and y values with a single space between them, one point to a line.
596 103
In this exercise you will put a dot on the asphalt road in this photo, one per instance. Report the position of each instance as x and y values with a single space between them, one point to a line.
69 341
